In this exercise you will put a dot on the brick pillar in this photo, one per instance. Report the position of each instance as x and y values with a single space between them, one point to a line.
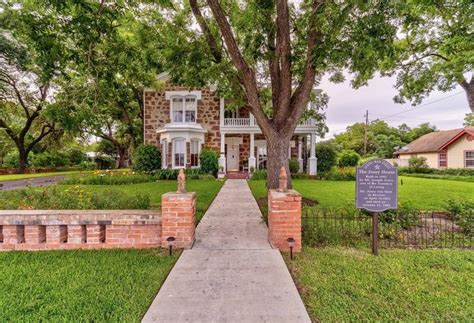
178 212
35 233
284 219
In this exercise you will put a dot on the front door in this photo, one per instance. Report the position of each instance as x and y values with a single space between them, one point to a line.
233 156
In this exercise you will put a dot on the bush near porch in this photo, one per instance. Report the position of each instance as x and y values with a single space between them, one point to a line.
82 285
340 284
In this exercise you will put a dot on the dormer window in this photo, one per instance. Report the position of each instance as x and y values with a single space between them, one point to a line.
183 105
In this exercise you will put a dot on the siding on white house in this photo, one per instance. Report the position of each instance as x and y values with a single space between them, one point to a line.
456 152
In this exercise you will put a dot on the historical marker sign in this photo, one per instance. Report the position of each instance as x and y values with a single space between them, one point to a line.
377 186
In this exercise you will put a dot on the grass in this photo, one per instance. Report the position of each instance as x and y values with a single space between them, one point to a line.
105 285
206 191
344 284
14 177
422 193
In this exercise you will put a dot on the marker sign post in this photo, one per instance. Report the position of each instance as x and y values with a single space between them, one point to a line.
376 191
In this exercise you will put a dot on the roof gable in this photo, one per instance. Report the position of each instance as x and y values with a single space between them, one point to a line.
435 141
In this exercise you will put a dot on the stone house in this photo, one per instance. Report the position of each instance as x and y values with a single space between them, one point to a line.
181 121
443 149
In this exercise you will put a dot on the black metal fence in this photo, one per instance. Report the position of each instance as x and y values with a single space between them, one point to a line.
397 229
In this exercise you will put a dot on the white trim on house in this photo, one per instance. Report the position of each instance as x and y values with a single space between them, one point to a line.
171 94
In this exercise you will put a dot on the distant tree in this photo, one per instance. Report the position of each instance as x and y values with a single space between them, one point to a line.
33 57
469 120
434 49
419 131
348 158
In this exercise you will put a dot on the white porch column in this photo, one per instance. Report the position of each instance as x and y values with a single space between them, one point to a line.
222 161
300 154
252 160
252 120
312 160
221 113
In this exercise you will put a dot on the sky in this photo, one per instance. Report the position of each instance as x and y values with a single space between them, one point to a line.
347 106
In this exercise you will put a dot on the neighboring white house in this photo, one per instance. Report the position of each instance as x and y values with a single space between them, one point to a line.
442 149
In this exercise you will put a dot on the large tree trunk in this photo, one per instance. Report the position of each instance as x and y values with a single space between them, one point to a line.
122 161
469 89
277 156
22 160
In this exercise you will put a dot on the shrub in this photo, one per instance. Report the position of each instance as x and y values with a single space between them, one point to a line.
147 158
348 158
12 159
75 156
418 164
259 174
209 159
294 166
172 174
109 178
339 174
49 159
71 198
87 165
463 213
327 156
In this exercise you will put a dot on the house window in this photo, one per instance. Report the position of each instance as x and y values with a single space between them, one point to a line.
443 159
183 109
190 109
177 109
194 153
469 158
179 153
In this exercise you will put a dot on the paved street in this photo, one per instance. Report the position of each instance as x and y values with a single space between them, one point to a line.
23 183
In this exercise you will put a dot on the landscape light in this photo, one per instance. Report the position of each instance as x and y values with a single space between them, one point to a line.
170 244
291 244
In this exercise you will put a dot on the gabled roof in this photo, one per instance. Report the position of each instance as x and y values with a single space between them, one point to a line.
435 141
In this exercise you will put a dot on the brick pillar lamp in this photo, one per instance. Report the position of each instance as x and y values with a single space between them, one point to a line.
284 216
178 211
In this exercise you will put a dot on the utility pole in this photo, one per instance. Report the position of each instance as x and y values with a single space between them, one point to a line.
365 132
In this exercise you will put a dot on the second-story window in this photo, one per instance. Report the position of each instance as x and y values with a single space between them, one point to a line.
183 109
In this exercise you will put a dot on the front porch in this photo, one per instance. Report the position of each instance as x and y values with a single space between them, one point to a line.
242 153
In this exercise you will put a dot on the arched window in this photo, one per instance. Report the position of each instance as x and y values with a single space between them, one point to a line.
195 150
179 153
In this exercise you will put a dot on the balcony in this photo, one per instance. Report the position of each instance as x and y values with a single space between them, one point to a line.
251 124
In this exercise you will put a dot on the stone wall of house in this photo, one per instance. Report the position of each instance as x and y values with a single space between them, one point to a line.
157 114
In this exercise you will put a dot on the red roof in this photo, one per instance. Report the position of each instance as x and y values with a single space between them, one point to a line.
435 141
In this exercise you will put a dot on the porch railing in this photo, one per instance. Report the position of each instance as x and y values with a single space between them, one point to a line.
247 122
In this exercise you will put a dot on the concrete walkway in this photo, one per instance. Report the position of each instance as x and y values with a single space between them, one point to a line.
231 274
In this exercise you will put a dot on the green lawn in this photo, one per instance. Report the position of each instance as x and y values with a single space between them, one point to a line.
422 193
206 191
13 177
73 286
343 284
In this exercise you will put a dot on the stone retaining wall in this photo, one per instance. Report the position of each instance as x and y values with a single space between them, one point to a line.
79 229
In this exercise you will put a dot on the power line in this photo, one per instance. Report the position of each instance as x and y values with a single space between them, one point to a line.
422 105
